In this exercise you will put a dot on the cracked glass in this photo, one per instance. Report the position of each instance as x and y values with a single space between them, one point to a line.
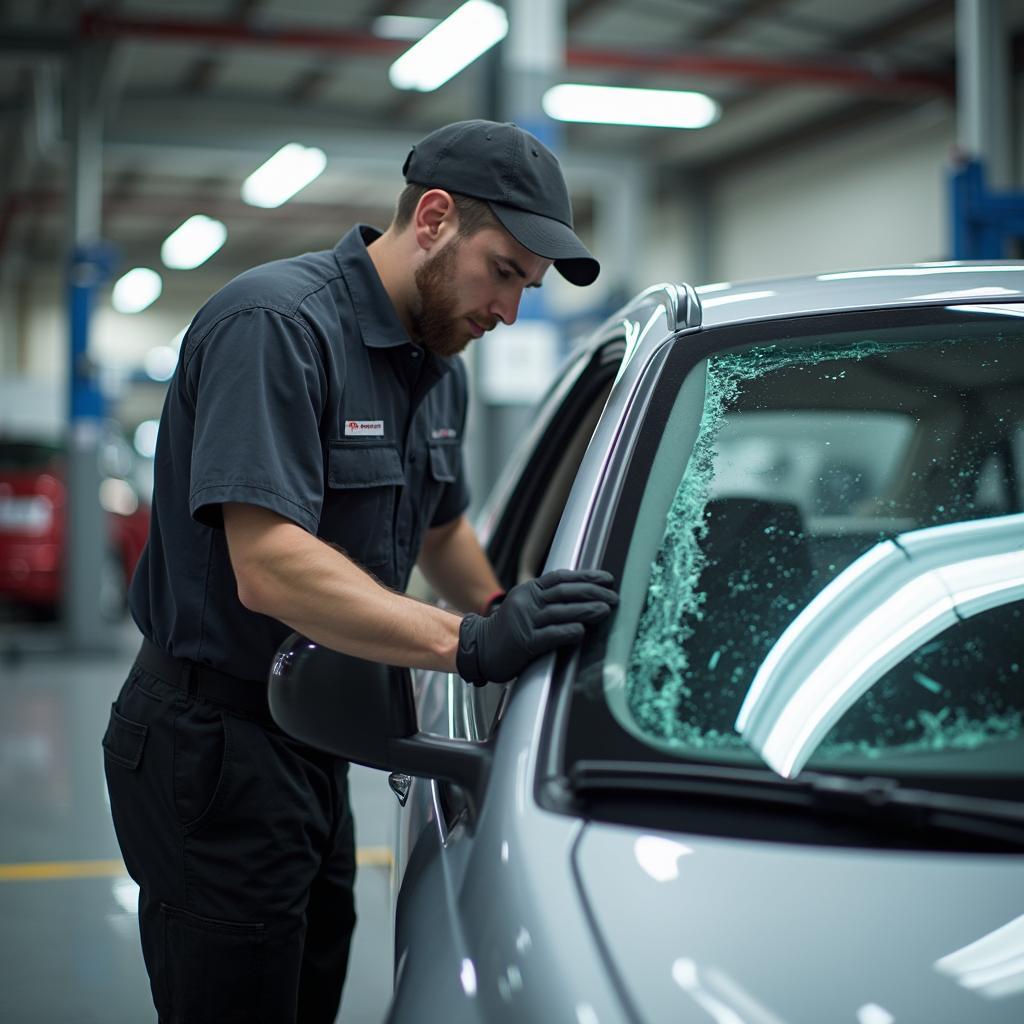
805 494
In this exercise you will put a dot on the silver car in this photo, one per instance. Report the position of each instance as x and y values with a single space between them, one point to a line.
784 782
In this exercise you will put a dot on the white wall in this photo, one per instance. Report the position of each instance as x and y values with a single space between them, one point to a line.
874 197
671 237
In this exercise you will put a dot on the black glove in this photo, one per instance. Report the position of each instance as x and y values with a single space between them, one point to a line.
535 617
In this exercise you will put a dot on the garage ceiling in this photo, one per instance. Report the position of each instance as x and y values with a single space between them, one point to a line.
197 94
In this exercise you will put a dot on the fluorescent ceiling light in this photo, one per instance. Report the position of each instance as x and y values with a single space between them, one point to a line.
398 26
290 169
160 362
193 243
135 291
442 53
650 108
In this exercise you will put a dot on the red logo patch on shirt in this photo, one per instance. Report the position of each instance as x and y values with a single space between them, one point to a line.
364 428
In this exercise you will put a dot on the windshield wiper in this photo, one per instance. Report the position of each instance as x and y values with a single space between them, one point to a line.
878 798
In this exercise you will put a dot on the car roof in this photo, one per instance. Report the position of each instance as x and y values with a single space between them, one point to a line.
880 287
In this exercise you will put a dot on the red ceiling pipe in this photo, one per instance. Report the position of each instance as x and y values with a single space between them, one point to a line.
836 74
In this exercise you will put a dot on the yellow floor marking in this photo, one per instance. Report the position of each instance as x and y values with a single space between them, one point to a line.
366 857
61 869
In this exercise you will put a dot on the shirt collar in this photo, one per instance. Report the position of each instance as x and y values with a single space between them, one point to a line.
378 319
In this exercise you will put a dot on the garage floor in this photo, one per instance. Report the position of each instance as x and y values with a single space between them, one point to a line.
69 946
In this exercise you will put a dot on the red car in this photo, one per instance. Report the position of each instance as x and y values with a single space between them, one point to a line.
33 526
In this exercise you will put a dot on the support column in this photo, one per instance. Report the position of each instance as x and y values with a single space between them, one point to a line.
618 214
87 539
986 214
984 127
532 56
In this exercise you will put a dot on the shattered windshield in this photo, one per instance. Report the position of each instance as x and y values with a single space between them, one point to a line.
827 563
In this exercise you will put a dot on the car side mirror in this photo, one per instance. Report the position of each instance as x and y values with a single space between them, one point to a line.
340 703
364 712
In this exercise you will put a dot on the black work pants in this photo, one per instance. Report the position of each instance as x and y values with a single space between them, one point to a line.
241 840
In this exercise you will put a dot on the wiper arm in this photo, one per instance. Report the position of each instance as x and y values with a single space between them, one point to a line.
1002 820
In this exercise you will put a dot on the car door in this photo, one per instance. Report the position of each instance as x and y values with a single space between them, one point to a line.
516 527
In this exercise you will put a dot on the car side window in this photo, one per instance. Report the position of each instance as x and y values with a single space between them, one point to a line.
814 476
522 540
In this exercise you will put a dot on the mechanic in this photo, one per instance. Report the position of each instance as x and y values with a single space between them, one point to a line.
309 453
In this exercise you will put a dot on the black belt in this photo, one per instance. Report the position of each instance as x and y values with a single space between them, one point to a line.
247 697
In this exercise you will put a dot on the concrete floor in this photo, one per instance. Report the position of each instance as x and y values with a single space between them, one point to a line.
69 945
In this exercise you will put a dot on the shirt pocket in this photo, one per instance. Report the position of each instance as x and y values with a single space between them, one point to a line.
359 506
444 460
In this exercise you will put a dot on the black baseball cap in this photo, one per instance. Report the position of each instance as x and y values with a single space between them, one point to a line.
517 176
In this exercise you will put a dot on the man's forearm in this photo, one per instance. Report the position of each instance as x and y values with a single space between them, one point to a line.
284 572
457 567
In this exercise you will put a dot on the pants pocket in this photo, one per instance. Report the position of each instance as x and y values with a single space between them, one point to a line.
124 740
213 970
202 764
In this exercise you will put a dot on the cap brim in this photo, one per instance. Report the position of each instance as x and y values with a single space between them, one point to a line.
551 239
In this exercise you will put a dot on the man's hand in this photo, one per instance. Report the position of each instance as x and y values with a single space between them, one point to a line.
534 618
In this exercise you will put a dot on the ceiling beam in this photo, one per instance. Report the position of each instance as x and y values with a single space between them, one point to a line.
838 72
835 72
581 10
889 29
200 75
734 18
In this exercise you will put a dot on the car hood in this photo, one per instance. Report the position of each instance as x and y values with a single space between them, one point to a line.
730 931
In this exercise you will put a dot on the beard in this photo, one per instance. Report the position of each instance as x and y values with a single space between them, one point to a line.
435 326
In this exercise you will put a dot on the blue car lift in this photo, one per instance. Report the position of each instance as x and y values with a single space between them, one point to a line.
985 222
91 266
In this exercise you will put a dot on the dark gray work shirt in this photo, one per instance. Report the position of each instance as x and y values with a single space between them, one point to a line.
298 390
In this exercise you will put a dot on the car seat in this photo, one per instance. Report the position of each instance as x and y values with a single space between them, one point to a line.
757 577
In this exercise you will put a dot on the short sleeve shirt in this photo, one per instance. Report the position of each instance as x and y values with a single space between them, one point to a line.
298 390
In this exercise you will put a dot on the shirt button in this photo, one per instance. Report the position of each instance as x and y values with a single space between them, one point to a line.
415 353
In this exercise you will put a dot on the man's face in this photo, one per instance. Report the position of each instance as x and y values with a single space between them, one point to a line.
469 285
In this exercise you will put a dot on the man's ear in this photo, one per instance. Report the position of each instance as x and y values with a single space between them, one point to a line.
435 219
